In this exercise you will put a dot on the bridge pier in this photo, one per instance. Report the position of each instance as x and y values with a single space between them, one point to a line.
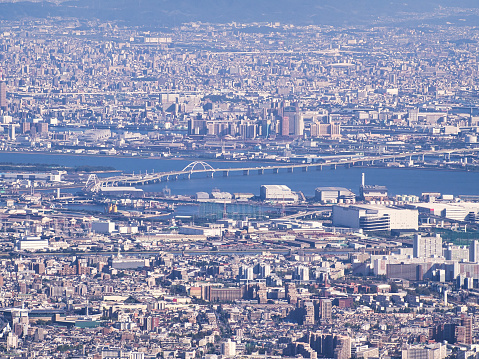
261 171
319 168
305 169
245 172
333 167
290 169
275 170
210 174
226 173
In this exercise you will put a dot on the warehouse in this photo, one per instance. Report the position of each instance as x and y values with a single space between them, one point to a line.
277 193
374 217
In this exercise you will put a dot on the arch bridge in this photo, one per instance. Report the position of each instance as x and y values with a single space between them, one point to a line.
94 184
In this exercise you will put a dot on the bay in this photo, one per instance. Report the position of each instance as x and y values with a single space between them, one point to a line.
398 180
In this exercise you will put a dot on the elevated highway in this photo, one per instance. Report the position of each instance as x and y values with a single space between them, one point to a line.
94 184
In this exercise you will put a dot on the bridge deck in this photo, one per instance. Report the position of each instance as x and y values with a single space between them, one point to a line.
190 170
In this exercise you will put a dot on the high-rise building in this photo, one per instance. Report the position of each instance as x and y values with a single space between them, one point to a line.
228 349
296 121
11 132
247 273
3 95
474 251
325 310
12 341
291 293
284 128
427 247
264 270
308 313
464 331
302 273
435 351
323 344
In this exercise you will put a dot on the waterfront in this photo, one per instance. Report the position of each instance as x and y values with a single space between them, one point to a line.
398 180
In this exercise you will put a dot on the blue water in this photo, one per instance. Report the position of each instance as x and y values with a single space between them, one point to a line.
398 180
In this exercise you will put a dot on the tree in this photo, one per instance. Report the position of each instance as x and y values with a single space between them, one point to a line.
394 287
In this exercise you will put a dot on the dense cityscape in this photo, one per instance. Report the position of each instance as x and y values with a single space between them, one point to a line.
115 241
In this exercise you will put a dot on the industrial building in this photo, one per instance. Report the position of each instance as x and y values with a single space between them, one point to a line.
131 192
372 192
461 211
103 227
32 243
334 195
277 193
54 176
375 217
210 231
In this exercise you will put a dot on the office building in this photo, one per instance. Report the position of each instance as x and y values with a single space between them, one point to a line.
295 120
325 130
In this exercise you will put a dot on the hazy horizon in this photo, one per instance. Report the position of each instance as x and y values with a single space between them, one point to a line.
169 13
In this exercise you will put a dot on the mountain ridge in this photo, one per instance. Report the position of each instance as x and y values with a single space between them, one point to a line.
170 13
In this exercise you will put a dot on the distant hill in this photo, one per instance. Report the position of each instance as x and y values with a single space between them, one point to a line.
174 12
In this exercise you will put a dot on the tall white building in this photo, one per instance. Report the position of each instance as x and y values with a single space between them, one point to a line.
228 348
264 270
247 273
12 341
302 273
427 247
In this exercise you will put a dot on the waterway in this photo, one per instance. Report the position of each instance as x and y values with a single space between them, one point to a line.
398 180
